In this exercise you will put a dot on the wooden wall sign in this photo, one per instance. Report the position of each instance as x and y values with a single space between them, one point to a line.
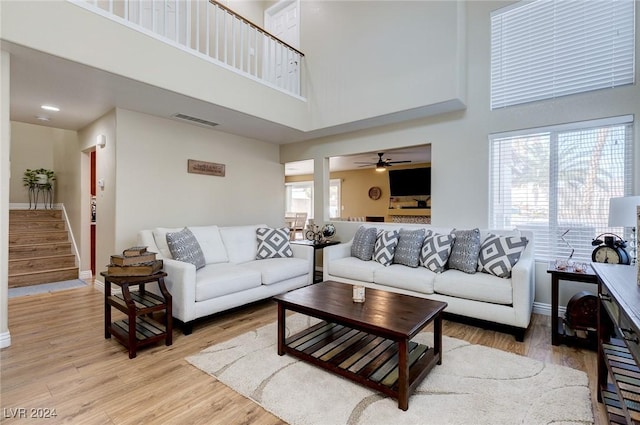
207 168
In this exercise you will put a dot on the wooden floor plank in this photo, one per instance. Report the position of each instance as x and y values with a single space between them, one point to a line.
60 360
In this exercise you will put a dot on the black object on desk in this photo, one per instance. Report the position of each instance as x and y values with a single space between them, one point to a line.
317 277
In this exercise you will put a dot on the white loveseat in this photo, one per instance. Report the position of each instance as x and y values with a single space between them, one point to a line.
232 275
480 297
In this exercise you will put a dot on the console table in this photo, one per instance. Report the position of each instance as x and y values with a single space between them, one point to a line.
619 342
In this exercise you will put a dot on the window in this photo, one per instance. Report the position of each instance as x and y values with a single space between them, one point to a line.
299 197
335 207
560 179
546 49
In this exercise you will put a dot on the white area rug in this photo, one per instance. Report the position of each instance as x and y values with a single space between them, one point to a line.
46 287
474 385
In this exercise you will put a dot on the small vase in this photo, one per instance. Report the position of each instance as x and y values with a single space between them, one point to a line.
358 293
41 179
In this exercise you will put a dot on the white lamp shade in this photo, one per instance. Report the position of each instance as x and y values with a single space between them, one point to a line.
623 211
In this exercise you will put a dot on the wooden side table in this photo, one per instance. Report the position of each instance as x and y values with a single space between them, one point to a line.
558 334
139 328
316 246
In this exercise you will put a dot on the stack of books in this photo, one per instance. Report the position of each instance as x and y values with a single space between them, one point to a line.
134 261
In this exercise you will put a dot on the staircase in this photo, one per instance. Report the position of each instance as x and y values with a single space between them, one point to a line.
39 248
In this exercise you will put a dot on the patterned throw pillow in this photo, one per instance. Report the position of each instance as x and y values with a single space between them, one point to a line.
273 243
499 254
409 246
435 251
466 247
386 246
185 247
363 243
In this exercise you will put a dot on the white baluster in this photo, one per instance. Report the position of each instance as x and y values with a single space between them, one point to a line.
207 27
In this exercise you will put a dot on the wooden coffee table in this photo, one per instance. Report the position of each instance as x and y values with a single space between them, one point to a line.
369 343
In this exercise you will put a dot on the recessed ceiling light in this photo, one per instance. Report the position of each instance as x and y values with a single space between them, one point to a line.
50 108
42 118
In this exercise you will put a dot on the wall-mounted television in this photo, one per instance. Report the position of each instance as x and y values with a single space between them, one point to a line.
410 182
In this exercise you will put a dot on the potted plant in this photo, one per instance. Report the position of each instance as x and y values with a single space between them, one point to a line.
39 183
40 176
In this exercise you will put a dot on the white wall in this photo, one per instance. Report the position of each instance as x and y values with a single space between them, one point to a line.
154 188
5 173
31 147
459 140
105 198
370 58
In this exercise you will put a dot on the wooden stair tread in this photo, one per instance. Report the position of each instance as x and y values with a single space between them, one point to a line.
35 213
43 257
39 248
39 244
46 271
37 232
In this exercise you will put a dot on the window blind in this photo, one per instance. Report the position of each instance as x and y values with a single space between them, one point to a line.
557 182
549 48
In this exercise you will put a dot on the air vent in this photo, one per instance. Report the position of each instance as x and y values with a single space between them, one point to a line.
194 120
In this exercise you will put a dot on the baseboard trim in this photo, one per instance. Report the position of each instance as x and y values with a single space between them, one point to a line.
5 339
99 285
545 309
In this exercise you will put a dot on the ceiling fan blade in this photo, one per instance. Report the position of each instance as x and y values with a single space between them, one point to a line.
397 162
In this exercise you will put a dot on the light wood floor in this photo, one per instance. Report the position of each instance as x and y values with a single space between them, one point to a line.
60 360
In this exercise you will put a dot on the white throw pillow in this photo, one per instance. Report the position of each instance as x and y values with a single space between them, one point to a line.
211 243
240 242
160 237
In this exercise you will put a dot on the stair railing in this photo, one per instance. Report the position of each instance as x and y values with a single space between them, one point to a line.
212 31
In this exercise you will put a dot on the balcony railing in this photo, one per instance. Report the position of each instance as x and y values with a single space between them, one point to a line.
212 31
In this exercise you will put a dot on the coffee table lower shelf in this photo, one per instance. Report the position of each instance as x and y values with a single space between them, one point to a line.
361 357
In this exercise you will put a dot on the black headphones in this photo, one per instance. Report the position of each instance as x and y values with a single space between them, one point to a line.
612 240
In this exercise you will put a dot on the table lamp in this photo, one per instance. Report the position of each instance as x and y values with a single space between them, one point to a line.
623 213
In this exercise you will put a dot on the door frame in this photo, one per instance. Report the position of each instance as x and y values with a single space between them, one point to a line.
275 10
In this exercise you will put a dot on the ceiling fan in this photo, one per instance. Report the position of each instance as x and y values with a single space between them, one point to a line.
382 164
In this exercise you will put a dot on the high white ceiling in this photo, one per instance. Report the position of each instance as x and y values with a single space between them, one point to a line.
84 94
415 154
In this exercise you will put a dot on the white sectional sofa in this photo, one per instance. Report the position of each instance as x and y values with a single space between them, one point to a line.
232 275
479 296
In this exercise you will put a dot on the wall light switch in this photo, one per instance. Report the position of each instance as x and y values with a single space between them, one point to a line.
101 183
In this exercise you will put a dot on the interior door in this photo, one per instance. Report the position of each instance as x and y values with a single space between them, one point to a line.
281 66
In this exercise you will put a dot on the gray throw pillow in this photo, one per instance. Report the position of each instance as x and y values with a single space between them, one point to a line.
273 243
363 243
385 247
409 246
499 254
435 251
466 247
185 247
